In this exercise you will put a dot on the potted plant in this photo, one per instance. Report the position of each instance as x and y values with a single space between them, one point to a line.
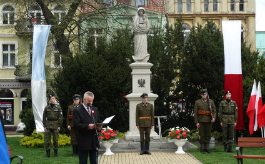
179 136
107 136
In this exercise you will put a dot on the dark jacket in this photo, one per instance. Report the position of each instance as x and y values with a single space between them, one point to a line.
228 112
69 118
86 138
52 117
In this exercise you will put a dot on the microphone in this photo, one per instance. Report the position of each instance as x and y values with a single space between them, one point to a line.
88 104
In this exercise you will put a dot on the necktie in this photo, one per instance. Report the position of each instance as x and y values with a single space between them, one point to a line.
89 112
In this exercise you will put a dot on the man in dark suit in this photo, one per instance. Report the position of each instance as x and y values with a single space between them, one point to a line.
85 117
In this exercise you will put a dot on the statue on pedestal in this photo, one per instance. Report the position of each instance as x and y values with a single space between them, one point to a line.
140 28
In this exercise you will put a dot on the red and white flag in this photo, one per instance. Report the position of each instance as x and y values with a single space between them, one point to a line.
258 106
233 69
251 108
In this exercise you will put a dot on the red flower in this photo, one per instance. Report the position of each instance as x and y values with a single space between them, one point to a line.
184 135
177 132
93 111
103 131
101 137
110 131
115 131
178 136
113 134
107 137
172 134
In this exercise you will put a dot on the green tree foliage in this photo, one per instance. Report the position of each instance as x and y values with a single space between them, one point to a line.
27 117
104 70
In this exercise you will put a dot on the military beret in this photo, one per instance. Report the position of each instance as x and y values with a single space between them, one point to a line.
76 97
50 96
227 92
144 95
204 91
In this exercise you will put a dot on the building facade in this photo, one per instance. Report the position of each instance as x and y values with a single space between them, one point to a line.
196 12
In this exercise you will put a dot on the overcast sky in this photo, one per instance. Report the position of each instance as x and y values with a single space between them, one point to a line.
260 15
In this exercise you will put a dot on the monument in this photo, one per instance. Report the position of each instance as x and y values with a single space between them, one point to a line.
140 74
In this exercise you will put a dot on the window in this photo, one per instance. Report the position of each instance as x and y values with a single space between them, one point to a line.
206 5
59 12
188 5
95 34
8 15
187 30
7 106
215 5
108 2
35 14
232 5
179 5
139 3
9 55
56 58
241 5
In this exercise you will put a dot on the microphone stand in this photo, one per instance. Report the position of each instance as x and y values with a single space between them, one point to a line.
98 145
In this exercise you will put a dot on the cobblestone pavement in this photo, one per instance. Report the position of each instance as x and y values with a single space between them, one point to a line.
154 158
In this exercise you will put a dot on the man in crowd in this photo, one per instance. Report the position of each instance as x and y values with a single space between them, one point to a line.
85 118
52 121
228 119
70 125
204 116
144 122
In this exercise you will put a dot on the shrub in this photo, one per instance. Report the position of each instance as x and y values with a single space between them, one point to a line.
37 140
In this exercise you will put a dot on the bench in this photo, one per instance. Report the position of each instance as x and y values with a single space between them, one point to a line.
249 142
10 154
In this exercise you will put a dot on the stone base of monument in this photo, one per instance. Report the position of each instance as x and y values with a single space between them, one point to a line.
135 136
161 145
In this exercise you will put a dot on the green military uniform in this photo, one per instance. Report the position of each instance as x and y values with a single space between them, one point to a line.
203 116
69 120
144 119
52 119
228 117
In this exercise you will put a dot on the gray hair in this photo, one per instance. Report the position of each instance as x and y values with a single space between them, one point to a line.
88 93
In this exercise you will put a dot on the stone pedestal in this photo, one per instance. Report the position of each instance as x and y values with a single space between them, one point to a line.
140 84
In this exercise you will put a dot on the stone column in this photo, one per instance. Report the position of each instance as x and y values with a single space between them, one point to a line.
140 84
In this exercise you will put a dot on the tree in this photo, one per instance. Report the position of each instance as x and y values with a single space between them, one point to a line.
105 71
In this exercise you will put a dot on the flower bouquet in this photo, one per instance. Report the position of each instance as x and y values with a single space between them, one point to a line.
178 133
107 136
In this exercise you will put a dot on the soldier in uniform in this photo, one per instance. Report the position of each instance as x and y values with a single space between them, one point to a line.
52 121
228 119
70 125
144 122
204 118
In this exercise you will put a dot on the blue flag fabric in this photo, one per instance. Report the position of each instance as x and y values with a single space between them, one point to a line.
40 38
4 155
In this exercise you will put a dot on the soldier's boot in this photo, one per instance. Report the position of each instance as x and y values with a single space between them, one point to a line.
230 149
225 148
147 148
142 148
207 150
76 148
48 153
74 151
55 152
201 147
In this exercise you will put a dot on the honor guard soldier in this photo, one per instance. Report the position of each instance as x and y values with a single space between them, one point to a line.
70 125
204 116
52 121
228 120
144 122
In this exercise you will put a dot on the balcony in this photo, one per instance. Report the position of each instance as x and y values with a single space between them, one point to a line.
23 73
24 27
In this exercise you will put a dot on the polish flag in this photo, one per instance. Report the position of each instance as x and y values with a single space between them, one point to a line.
258 106
233 69
251 108
261 112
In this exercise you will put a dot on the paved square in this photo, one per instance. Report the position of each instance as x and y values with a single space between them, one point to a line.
154 158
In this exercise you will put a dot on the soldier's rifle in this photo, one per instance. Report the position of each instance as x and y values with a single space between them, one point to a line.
210 106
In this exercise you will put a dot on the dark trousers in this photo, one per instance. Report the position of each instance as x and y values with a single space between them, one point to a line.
205 134
73 134
228 133
83 154
145 134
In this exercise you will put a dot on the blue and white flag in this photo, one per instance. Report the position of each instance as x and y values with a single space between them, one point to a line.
38 79
4 155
